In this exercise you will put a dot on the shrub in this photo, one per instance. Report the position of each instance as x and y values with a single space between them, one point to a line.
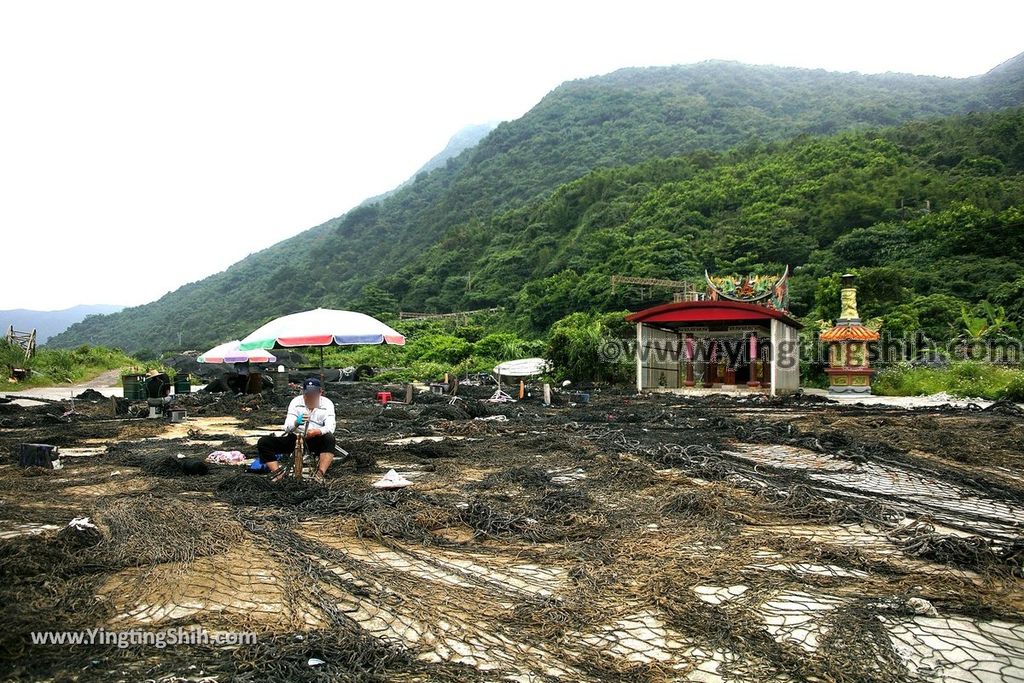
1014 389
439 348
475 364
582 345
418 371
507 346
11 357
502 345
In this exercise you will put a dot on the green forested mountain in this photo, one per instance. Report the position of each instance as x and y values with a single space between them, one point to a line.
661 171
928 213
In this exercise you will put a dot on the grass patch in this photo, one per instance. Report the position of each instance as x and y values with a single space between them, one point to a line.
963 379
50 367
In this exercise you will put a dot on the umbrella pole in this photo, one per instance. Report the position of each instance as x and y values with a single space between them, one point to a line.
321 366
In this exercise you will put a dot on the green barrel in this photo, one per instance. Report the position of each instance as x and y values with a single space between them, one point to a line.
182 384
134 386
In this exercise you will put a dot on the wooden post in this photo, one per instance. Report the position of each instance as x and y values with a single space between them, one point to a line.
113 406
547 394
408 393
522 390
297 462
300 446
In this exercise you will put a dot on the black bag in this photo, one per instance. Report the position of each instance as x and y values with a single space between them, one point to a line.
38 455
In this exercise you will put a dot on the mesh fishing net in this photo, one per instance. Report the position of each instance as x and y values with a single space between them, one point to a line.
630 539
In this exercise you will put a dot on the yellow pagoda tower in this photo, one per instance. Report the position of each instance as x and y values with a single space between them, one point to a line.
849 367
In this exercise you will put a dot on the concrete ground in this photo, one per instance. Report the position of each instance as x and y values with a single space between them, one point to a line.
896 401
901 401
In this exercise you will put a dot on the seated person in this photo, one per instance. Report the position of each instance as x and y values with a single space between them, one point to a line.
314 411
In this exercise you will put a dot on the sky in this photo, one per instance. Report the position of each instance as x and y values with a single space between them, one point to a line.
145 145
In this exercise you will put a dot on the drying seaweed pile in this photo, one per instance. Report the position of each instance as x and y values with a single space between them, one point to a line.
640 539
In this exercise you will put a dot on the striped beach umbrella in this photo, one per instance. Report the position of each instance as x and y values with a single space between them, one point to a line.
322 327
230 352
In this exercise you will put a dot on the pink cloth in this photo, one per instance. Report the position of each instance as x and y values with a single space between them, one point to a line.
226 457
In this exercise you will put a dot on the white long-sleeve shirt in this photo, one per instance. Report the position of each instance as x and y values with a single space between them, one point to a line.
321 417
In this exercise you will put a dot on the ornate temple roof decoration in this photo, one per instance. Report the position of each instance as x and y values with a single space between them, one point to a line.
765 290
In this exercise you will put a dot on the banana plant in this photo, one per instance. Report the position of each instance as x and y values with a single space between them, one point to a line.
986 323
991 323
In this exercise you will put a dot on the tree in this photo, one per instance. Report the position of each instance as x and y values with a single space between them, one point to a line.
375 301
590 346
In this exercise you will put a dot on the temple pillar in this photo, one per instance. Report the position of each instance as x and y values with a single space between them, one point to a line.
688 349
639 357
711 365
754 381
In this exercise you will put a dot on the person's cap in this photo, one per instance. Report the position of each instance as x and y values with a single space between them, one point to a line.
311 385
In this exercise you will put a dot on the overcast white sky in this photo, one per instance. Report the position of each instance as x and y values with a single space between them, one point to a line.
194 133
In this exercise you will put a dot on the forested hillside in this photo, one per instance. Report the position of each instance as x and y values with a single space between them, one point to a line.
928 213
711 185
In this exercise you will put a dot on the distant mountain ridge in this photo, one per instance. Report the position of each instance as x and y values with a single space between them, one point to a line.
464 139
630 116
50 323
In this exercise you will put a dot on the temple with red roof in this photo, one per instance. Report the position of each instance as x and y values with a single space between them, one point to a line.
739 336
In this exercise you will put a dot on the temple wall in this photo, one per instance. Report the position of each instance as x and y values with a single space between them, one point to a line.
660 359
785 358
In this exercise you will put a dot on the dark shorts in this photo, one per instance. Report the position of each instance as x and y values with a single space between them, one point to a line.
270 447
